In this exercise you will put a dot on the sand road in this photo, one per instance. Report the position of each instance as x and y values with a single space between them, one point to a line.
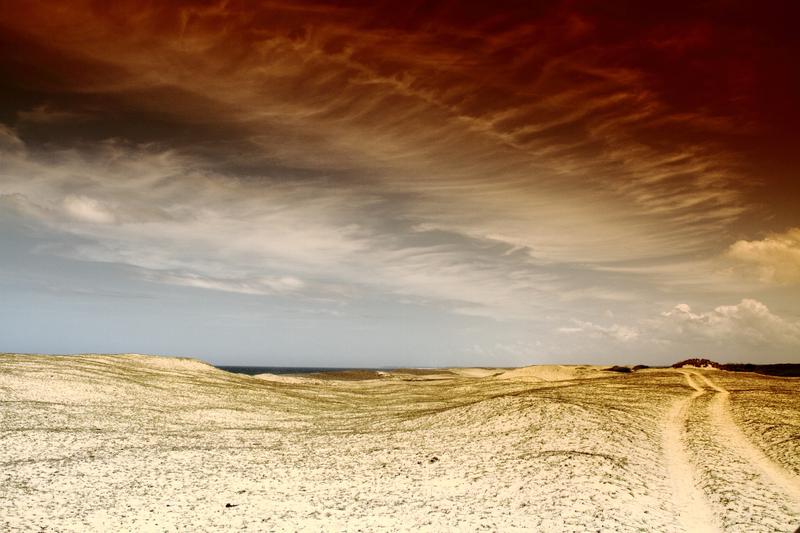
703 443
690 502
138 443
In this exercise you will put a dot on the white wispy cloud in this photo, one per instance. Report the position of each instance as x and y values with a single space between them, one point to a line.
86 209
160 212
617 332
257 286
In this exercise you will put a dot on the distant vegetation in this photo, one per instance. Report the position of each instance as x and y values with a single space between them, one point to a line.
698 363
780 369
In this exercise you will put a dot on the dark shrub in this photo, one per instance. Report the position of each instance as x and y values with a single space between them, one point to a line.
697 362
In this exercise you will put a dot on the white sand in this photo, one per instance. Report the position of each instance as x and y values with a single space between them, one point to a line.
694 513
553 372
280 378
101 443
477 372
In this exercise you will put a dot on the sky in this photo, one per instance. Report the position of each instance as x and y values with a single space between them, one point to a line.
401 183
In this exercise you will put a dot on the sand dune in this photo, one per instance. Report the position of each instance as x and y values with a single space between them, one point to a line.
553 372
477 372
110 443
282 378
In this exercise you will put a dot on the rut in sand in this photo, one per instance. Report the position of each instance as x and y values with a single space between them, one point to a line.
691 505
780 478
720 479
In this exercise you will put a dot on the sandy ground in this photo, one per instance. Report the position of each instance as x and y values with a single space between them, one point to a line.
117 443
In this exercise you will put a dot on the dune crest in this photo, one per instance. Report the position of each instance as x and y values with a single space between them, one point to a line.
553 372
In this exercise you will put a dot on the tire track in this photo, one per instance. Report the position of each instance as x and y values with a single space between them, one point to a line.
779 478
694 513
738 484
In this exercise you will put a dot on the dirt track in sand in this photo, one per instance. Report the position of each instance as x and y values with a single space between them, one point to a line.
691 505
720 479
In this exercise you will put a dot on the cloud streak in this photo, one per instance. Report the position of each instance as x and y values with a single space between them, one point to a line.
162 214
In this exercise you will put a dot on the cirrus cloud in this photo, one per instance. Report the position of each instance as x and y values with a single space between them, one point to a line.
87 209
616 332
